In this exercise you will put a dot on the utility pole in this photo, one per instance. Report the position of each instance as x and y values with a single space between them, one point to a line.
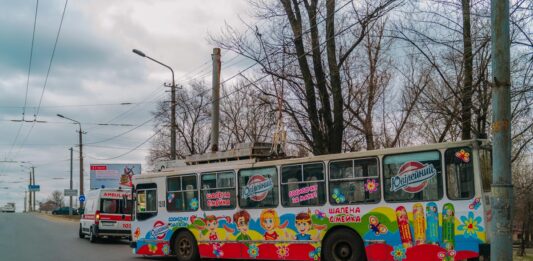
216 99
25 200
33 174
81 165
70 197
172 117
29 203
172 103
502 188
80 131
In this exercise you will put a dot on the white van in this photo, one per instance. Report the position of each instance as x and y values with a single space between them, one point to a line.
107 213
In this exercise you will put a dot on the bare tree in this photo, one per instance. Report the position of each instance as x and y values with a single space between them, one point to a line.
192 123
247 114
367 81
306 44
57 197
523 190
459 59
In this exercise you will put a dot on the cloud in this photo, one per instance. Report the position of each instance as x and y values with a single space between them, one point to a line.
93 64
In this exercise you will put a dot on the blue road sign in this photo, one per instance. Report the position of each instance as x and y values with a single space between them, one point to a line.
82 198
34 187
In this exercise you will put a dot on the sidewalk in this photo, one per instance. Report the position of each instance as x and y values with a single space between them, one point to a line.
58 218
527 257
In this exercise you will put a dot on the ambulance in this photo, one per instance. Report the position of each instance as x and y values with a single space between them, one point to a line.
107 214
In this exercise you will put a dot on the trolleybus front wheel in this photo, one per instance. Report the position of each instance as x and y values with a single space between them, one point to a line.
185 247
343 245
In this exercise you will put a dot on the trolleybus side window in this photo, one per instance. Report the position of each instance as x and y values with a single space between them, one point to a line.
146 201
182 193
413 176
218 190
354 181
258 188
459 173
303 185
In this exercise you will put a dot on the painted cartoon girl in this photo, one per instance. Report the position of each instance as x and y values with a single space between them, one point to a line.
402 215
269 221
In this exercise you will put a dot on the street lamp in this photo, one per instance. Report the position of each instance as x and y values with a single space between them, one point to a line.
81 155
172 104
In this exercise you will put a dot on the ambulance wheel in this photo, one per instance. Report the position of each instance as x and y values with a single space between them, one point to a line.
343 245
92 236
185 247
80 233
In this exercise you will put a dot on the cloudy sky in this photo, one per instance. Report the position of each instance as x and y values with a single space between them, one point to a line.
92 73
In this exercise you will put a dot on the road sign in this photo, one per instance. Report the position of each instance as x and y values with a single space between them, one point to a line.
70 192
82 198
34 188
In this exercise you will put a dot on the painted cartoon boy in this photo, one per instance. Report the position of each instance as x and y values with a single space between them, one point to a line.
242 220
304 224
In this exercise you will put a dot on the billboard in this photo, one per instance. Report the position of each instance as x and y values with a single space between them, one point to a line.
113 175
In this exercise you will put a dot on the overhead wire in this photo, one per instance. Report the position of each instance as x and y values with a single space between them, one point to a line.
46 78
152 98
230 78
27 81
234 76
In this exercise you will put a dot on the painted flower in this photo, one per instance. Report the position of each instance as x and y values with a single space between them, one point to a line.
448 255
218 253
166 250
137 233
253 251
193 204
315 254
371 185
470 225
398 253
463 155
170 197
338 196
283 251
152 248
217 250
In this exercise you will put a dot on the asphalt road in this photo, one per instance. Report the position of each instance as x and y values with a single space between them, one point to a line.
34 237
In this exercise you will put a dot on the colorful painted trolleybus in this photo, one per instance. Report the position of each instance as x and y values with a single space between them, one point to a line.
427 202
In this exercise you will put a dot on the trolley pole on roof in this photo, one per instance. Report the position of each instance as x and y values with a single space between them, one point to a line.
502 188
216 99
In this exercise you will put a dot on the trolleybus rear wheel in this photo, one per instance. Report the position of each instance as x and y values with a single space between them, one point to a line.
185 247
343 245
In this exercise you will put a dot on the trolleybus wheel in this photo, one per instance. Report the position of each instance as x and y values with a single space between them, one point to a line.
343 245
185 247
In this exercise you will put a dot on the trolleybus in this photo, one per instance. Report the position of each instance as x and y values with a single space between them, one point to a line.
427 202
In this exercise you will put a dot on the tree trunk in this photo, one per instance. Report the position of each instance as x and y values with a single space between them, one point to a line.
295 20
335 135
466 91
